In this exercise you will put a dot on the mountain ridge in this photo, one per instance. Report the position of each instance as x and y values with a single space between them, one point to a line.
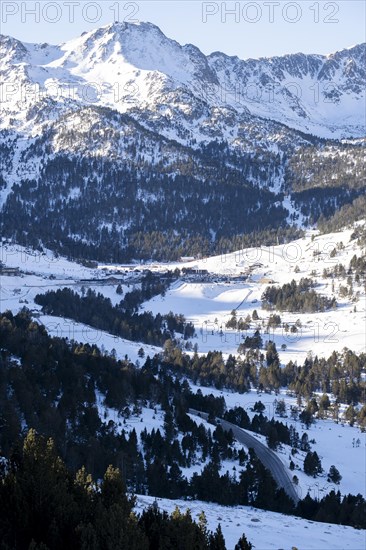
122 143
134 65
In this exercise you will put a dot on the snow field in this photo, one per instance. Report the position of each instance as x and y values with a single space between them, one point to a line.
208 305
265 530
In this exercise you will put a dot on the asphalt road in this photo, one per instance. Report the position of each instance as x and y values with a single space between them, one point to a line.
268 458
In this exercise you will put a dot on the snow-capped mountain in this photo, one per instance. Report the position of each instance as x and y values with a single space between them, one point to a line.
122 143
136 68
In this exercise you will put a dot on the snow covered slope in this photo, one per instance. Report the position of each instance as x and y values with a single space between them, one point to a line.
209 304
124 102
265 530
334 443
136 68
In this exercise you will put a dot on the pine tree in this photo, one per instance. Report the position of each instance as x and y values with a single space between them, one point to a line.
333 475
217 541
312 464
243 544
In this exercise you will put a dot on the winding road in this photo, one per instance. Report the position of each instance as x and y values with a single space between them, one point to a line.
268 458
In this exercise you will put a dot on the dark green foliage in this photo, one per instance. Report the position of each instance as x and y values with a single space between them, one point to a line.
253 342
333 475
44 507
312 464
211 369
296 298
243 544
351 211
272 357
152 197
139 209
326 188
304 444
276 432
349 510
122 320
357 265
51 385
323 167
217 541
255 487
238 416
259 407
175 531
306 417
274 321
206 403
339 374
41 501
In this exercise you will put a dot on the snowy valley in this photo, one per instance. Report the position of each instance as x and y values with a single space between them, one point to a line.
207 292
182 296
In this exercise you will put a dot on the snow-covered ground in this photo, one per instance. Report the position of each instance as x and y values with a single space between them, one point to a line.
66 328
82 71
139 418
334 443
41 272
43 263
265 530
208 304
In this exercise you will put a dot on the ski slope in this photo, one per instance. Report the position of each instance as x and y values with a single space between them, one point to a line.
209 305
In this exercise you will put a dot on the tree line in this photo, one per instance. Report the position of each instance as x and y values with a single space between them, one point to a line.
45 507
121 320
297 298
52 385
340 374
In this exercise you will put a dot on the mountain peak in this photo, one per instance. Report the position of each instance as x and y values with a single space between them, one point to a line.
12 50
142 45
138 68
118 29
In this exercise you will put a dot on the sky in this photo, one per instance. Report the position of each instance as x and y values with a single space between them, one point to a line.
248 29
